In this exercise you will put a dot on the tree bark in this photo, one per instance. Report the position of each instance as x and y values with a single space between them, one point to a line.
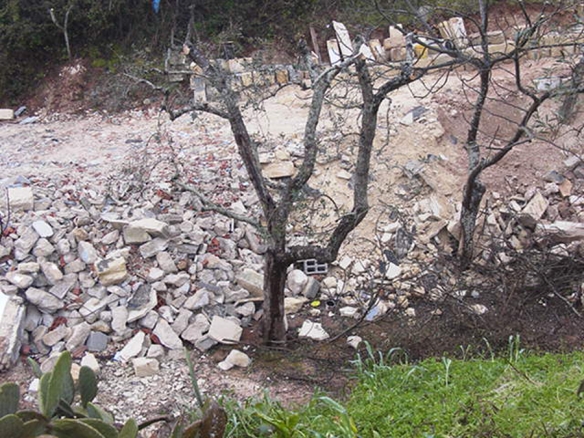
273 320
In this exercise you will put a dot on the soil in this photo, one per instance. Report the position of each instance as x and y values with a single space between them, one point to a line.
66 142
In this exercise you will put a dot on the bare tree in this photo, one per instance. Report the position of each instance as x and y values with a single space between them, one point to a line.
485 146
65 26
278 202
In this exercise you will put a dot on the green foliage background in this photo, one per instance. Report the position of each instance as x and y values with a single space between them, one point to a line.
101 30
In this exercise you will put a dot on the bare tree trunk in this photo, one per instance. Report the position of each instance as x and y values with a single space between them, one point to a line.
471 202
274 325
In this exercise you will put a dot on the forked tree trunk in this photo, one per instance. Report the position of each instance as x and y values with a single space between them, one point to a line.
274 328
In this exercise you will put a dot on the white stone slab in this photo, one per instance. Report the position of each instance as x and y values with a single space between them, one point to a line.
332 47
6 114
344 39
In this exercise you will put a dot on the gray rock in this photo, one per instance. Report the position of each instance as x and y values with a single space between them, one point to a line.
293 304
155 274
142 302
177 280
205 343
151 226
251 281
181 321
354 341
51 272
21 281
254 241
43 300
119 320
87 252
12 317
111 237
238 359
196 329
97 341
132 348
166 263
79 336
155 351
90 309
32 319
63 246
200 299
150 249
56 335
296 281
135 236
75 266
313 330
247 309
42 228
149 321
43 248
145 366
167 336
311 288
89 360
63 287
26 242
225 331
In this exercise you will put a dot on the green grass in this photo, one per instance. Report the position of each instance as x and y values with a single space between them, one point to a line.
520 395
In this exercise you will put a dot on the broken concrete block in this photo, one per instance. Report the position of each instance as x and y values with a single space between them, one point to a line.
224 330
20 198
12 313
150 249
111 271
132 348
536 207
6 114
333 51
251 281
238 358
313 330
145 366
283 169
344 39
45 301
167 335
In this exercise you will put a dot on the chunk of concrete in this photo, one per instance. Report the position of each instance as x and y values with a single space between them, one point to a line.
252 281
111 271
145 366
132 348
6 114
20 198
12 315
45 301
224 330
167 335
313 330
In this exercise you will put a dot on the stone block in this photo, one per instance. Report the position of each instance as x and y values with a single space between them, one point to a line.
224 330
251 281
6 114
20 198
145 366
283 169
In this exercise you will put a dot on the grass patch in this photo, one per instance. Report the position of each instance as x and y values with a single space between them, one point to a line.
520 395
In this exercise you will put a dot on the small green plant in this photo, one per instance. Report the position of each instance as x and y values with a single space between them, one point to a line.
209 420
58 414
